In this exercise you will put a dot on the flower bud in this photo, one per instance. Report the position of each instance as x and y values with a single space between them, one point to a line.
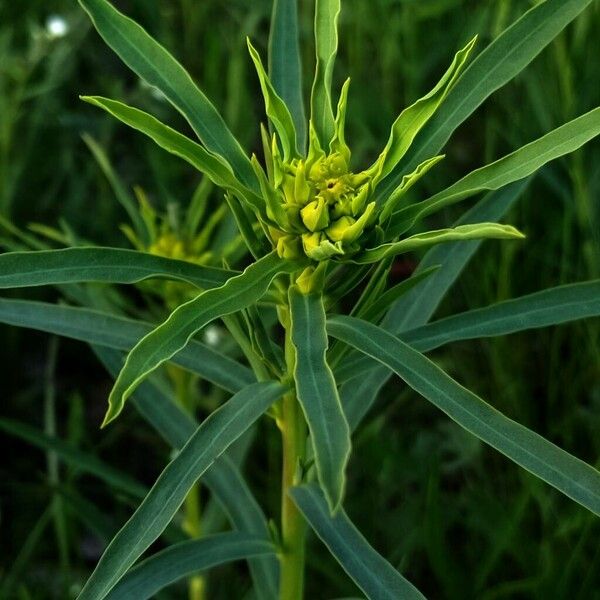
315 215
318 247
337 229
288 246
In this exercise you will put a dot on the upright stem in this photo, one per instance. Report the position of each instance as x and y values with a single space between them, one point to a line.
193 517
293 528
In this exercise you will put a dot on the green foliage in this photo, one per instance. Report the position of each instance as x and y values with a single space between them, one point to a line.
304 244
318 395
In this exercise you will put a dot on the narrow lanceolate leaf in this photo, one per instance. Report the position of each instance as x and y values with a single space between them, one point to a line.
566 473
327 13
285 67
418 305
185 559
104 329
214 167
87 463
211 439
150 61
542 309
223 478
275 108
111 265
391 204
554 306
413 118
174 334
318 395
513 167
369 570
500 62
476 231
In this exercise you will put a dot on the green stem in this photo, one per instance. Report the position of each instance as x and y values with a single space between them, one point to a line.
192 524
58 516
293 528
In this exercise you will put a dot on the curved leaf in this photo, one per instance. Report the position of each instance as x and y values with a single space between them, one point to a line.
111 265
327 13
568 474
553 306
223 477
500 62
210 440
275 107
318 395
542 309
418 305
510 168
184 559
214 167
104 329
285 67
150 61
175 333
368 569
412 119
476 231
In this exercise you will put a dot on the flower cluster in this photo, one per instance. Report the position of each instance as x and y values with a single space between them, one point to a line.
326 208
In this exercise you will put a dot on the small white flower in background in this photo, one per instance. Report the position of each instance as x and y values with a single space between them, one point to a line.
56 26
212 335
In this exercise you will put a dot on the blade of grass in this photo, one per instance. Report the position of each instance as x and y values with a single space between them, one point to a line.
73 456
121 194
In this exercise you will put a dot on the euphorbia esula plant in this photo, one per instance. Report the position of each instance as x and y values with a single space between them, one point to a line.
317 227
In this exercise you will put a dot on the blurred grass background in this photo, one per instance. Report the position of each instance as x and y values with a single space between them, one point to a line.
459 519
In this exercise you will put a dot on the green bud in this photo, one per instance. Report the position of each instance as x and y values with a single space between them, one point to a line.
288 246
311 279
354 231
302 188
315 215
337 229
342 208
315 152
360 199
318 247
336 165
293 215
